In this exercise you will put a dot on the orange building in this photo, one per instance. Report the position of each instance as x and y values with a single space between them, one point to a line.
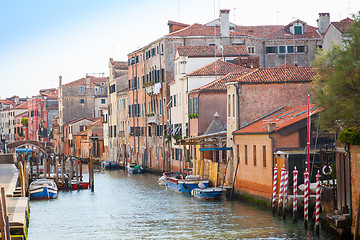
266 142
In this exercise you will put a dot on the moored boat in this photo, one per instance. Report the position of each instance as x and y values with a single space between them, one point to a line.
107 165
43 189
134 168
182 182
209 193
74 185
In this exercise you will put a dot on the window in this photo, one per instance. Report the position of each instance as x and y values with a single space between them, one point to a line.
298 29
254 153
246 155
290 49
82 100
229 103
251 50
101 89
300 49
282 49
103 101
271 49
233 103
264 156
238 152
81 89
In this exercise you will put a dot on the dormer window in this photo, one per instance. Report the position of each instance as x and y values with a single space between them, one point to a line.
298 30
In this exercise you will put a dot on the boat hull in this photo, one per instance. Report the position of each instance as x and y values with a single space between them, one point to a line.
82 185
207 193
182 185
109 166
132 170
43 189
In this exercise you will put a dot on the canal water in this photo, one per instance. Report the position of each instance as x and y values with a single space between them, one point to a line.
125 206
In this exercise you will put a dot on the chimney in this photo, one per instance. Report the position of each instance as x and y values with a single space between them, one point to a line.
224 22
87 80
60 81
323 22
271 126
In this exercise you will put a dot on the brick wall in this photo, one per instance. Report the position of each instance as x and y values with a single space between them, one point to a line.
257 100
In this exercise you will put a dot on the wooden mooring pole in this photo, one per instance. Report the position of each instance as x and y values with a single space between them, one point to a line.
91 173
77 172
56 166
5 214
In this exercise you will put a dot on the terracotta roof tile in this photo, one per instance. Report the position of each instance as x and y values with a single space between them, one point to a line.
343 25
263 32
121 65
53 107
281 118
279 75
22 115
23 105
216 68
219 84
170 22
82 81
211 51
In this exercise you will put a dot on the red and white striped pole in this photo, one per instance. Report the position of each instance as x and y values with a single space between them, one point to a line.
274 187
295 174
306 198
281 188
317 206
286 180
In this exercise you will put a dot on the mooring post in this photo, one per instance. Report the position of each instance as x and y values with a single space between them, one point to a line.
20 166
56 166
285 193
70 171
317 206
81 176
77 172
45 163
306 198
31 166
48 165
62 171
92 173
4 220
281 191
274 189
295 173
37 164
6 217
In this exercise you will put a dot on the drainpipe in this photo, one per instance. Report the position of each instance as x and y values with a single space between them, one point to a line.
347 149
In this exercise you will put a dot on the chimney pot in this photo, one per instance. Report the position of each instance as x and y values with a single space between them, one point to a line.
323 22
224 22
271 126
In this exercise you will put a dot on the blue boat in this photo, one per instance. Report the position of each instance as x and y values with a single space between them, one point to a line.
183 183
43 189
107 165
209 193
134 168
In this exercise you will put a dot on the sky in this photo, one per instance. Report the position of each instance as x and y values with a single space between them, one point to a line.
43 39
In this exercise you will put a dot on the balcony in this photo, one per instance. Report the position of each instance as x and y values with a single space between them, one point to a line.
153 118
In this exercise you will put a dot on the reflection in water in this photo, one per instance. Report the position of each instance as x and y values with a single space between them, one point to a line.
126 206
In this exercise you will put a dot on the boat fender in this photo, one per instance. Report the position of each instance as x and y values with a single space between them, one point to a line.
327 167
185 186
201 186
